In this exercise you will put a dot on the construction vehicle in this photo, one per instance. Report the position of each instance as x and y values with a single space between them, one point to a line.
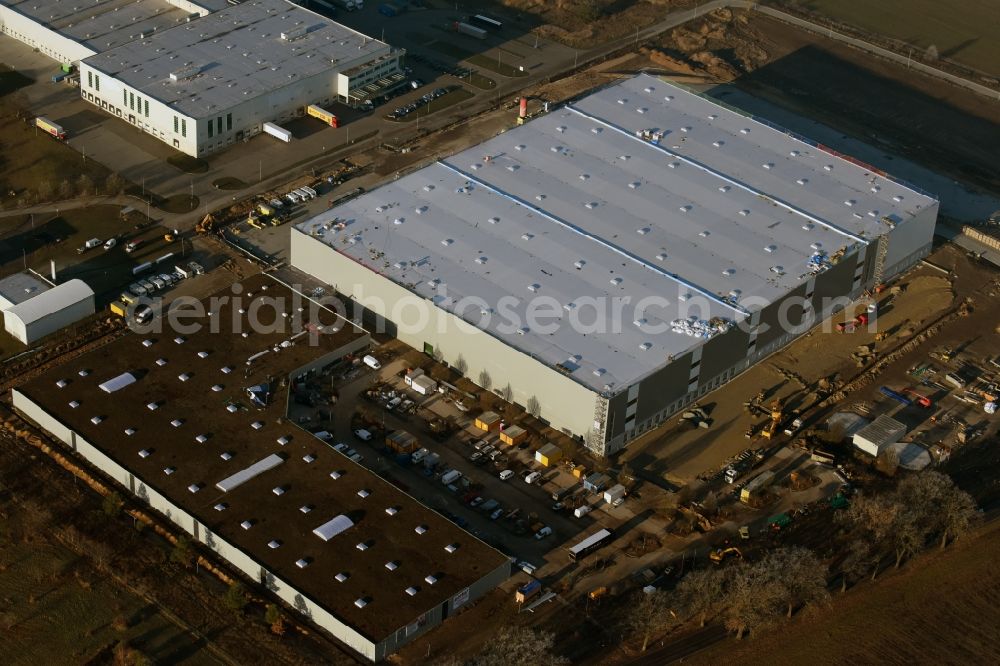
720 555
771 429
171 236
119 308
944 354
779 522
745 532
254 221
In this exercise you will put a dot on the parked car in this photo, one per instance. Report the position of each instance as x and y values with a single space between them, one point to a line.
532 477
341 447
476 501
496 513
363 435
479 445
526 567
544 532
110 243
357 457
506 474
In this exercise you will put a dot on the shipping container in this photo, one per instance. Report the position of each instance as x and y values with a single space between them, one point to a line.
614 493
322 114
470 30
528 590
424 385
548 454
50 128
757 485
277 132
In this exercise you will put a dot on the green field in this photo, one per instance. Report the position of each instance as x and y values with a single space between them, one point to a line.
964 31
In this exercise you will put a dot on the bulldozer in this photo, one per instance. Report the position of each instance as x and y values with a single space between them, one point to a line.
720 555
206 225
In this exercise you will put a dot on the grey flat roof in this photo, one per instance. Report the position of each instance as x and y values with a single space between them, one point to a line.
50 301
19 287
238 53
575 206
102 24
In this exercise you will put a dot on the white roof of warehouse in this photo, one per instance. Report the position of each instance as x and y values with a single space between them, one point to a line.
105 24
574 205
232 55
49 302
18 288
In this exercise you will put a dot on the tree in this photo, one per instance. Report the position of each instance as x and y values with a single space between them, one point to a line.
932 52
275 620
856 562
112 504
85 184
65 190
533 406
700 593
182 553
236 597
507 393
887 462
519 646
943 510
800 574
651 614
461 365
114 184
46 190
626 476
752 599
958 513
485 380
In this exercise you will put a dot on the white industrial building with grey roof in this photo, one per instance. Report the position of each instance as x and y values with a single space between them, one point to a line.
662 236
200 76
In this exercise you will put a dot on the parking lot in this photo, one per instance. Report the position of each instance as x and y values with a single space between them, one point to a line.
506 513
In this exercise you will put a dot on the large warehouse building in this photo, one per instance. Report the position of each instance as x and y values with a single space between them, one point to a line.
616 259
201 76
48 310
71 31
194 425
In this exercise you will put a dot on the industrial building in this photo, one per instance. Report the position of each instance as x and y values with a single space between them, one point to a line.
18 288
668 243
71 31
195 426
201 76
46 310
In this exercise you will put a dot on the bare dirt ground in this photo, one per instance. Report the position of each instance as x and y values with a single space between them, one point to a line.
940 609
940 126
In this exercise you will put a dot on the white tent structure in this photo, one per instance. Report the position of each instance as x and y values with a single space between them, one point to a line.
49 311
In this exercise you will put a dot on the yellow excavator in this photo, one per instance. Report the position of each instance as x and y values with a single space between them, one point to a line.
720 555
776 417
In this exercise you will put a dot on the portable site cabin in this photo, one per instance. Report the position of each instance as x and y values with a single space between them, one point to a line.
488 422
596 482
548 454
401 441
513 435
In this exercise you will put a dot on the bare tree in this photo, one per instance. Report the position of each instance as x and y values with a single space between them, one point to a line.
85 184
887 462
753 599
461 365
908 535
857 562
519 646
65 190
942 509
485 380
533 406
114 184
46 190
651 614
799 573
700 593
932 52
507 393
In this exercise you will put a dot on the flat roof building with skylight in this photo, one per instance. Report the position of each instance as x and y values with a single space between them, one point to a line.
195 425
664 237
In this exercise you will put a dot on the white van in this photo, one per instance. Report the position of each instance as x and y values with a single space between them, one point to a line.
363 435
371 362
534 476
419 455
